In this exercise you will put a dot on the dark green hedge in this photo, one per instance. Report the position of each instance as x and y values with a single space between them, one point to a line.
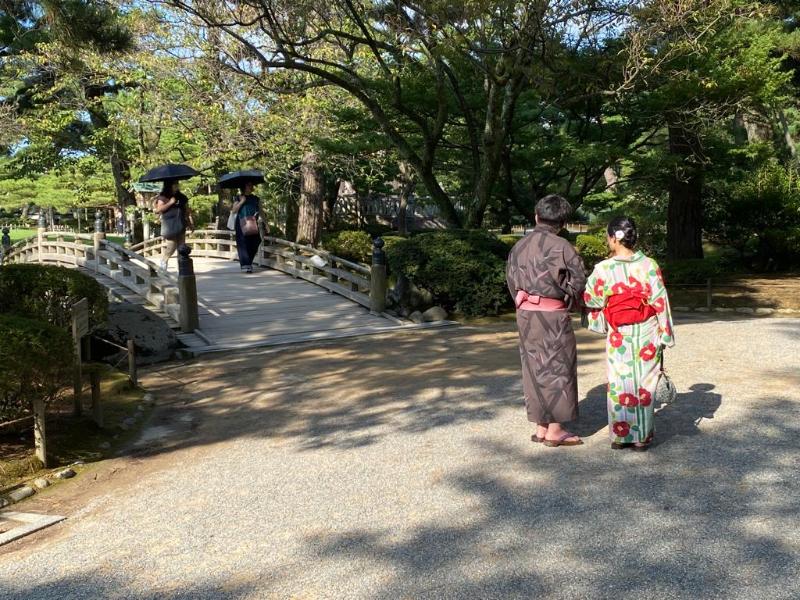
351 245
593 248
463 270
48 293
37 362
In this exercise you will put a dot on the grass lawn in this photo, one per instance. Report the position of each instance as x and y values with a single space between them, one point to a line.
73 438
21 234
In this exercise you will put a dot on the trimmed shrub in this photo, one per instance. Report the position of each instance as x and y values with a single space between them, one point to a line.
351 245
691 270
463 270
37 363
48 292
509 240
592 248
779 249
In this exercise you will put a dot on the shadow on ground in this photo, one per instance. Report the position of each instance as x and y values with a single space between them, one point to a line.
700 516
679 418
341 396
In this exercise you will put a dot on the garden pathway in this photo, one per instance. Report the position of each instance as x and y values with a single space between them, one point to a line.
403 468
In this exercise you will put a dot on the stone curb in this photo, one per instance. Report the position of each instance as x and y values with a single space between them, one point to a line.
30 488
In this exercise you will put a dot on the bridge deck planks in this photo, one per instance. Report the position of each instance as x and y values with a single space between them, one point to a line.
270 307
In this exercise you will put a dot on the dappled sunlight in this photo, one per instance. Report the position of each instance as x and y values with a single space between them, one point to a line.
581 507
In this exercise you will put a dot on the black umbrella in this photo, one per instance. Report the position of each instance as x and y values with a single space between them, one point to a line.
237 179
169 172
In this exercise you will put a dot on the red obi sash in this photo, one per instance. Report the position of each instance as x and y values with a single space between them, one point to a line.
628 308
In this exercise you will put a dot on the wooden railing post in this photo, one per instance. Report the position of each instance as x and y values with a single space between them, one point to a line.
187 290
40 235
708 294
132 363
6 244
97 404
99 235
378 285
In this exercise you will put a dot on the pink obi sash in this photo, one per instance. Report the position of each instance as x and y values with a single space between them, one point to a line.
525 301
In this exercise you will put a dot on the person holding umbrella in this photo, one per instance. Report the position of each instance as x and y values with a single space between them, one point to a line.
245 215
172 206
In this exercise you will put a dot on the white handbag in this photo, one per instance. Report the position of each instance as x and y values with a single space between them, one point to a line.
232 221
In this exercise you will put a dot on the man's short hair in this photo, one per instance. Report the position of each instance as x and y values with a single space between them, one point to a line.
553 210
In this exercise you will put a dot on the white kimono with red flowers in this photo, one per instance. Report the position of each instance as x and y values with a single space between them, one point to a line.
634 351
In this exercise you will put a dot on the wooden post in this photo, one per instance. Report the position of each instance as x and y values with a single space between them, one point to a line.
97 406
99 235
6 243
40 235
708 294
187 291
39 430
132 363
378 284
80 327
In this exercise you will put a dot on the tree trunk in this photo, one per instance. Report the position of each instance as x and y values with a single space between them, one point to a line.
685 209
329 202
611 177
441 198
407 185
787 134
312 192
121 170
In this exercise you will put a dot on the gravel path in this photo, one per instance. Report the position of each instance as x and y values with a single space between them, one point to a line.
402 468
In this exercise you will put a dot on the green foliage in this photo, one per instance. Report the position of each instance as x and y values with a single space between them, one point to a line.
758 213
692 271
509 240
203 208
779 249
351 245
37 363
464 270
593 248
47 293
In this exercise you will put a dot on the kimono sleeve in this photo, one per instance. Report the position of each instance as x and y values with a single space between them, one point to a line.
594 297
511 272
576 277
660 301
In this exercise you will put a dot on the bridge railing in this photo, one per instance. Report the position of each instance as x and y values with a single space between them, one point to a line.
132 271
338 275
136 269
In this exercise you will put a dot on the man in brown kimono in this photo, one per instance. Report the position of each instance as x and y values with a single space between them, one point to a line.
546 278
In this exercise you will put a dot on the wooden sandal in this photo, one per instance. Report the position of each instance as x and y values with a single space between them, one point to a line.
562 441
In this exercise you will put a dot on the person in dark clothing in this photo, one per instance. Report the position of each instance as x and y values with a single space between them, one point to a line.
247 208
546 278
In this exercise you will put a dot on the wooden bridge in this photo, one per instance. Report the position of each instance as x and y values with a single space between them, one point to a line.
299 293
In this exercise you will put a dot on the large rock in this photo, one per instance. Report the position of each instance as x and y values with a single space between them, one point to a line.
408 295
436 313
416 317
155 341
22 493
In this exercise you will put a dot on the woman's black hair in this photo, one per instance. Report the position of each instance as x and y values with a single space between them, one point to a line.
553 210
627 226
166 188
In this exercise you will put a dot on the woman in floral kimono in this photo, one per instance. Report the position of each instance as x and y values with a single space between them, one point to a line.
627 301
